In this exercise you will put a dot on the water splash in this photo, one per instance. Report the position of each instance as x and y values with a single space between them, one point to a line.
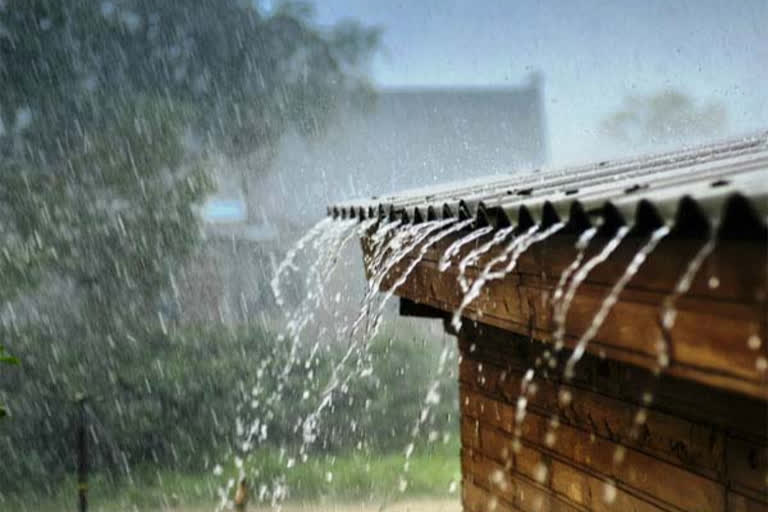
511 254
288 261
667 318
455 247
476 253
561 311
389 255
526 242
668 314
581 246
325 243
613 297
327 247
416 260
558 337
401 244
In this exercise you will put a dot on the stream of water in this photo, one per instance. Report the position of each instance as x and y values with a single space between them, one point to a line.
394 251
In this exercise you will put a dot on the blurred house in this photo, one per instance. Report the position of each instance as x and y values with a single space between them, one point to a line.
405 138
227 280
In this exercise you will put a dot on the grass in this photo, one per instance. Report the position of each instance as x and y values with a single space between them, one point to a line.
433 471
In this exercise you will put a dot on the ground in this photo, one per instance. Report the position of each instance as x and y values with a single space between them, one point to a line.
412 505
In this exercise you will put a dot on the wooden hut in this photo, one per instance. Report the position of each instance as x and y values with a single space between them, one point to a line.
666 410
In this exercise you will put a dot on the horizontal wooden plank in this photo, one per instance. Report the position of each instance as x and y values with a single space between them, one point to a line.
736 283
508 487
725 307
477 499
741 503
709 342
637 470
747 467
699 447
490 347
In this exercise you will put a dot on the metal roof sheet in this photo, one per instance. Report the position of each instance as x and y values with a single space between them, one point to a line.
724 183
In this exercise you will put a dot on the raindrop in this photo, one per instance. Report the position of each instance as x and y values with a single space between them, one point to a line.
619 454
609 492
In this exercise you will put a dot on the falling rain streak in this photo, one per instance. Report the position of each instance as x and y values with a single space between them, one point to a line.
612 297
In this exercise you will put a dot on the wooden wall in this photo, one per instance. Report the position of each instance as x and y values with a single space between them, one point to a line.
708 343
698 449
701 445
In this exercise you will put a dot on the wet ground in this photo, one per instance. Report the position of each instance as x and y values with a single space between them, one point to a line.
415 505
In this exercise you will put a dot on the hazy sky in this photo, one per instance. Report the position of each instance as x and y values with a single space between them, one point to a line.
591 53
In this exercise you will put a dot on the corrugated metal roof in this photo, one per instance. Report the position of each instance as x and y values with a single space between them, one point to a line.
725 182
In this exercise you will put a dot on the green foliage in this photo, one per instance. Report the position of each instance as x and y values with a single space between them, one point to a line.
6 359
97 191
353 477
174 402
249 75
361 476
98 200
663 117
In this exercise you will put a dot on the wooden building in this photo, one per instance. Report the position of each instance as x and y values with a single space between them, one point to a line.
667 409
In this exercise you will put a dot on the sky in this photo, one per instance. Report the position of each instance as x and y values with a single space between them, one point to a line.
592 54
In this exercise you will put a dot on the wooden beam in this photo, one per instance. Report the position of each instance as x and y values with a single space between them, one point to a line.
709 343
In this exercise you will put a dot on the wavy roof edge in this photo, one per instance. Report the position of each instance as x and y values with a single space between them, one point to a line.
723 184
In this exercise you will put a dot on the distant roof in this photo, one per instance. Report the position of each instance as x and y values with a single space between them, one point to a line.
689 186
407 138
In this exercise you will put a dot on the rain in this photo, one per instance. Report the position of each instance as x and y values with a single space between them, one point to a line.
332 255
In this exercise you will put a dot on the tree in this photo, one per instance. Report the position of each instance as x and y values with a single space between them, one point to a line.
662 118
5 359
246 75
99 193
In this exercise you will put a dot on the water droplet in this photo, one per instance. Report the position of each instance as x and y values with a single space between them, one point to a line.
497 478
754 342
550 439
540 473
761 364
619 454
218 470
713 282
565 397
609 493
522 404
